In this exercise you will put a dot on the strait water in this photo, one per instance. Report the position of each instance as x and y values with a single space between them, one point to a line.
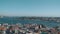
14 21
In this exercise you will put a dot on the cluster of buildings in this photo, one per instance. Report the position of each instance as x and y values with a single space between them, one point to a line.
55 19
27 29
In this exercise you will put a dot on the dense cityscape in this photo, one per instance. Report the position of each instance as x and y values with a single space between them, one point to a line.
29 28
29 16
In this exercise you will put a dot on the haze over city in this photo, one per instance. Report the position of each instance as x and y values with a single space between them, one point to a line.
49 8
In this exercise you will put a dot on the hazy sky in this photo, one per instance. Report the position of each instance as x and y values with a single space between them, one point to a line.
30 7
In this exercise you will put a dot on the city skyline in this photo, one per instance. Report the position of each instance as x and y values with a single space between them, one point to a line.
30 8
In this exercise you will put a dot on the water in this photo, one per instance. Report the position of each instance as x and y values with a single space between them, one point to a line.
14 21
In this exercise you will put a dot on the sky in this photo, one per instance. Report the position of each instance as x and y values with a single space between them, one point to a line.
30 8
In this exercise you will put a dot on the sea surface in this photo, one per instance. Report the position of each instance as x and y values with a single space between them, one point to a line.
14 21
